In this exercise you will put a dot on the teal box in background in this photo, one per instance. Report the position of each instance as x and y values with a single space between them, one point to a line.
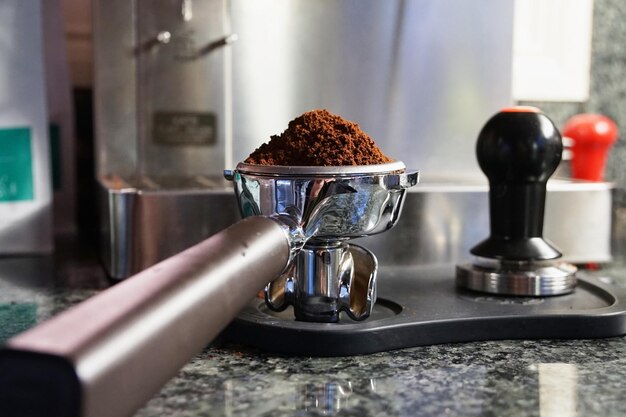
25 179
16 165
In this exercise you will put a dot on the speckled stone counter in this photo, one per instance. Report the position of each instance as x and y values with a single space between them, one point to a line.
501 378
506 378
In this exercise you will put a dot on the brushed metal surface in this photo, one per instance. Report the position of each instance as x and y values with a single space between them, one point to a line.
441 221
141 226
131 84
417 76
173 78
524 279
115 87
420 77
127 341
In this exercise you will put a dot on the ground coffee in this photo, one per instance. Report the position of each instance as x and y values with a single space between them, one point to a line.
319 138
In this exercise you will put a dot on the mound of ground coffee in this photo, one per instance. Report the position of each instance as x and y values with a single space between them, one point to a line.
319 138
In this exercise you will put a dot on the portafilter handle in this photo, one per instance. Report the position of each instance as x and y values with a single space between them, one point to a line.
108 355
518 149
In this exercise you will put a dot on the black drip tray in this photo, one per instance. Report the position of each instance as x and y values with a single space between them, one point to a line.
422 306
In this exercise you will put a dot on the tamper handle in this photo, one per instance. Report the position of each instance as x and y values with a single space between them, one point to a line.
518 149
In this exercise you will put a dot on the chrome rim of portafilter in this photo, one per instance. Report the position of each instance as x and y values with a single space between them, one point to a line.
322 208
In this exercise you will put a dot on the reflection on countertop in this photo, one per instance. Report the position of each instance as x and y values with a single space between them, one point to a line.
546 378
500 378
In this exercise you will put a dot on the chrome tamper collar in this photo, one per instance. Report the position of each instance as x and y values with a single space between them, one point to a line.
517 278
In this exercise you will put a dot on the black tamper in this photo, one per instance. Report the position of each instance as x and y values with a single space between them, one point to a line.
518 149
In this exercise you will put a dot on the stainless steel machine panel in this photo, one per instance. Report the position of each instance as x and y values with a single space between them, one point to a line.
142 225
181 108
441 221
162 79
419 77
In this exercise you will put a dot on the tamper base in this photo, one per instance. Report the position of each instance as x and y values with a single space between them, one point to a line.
518 278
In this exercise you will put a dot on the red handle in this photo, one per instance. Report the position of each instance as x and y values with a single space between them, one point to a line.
593 136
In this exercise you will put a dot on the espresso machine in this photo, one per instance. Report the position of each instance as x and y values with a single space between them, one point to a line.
322 261
323 295
182 93
186 89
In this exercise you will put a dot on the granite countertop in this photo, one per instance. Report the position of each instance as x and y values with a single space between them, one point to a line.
500 378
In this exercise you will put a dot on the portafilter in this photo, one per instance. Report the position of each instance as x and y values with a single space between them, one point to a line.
109 354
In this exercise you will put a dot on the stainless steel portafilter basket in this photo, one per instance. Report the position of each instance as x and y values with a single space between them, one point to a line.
327 206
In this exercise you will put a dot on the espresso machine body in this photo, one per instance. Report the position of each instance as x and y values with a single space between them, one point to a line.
188 88
421 77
